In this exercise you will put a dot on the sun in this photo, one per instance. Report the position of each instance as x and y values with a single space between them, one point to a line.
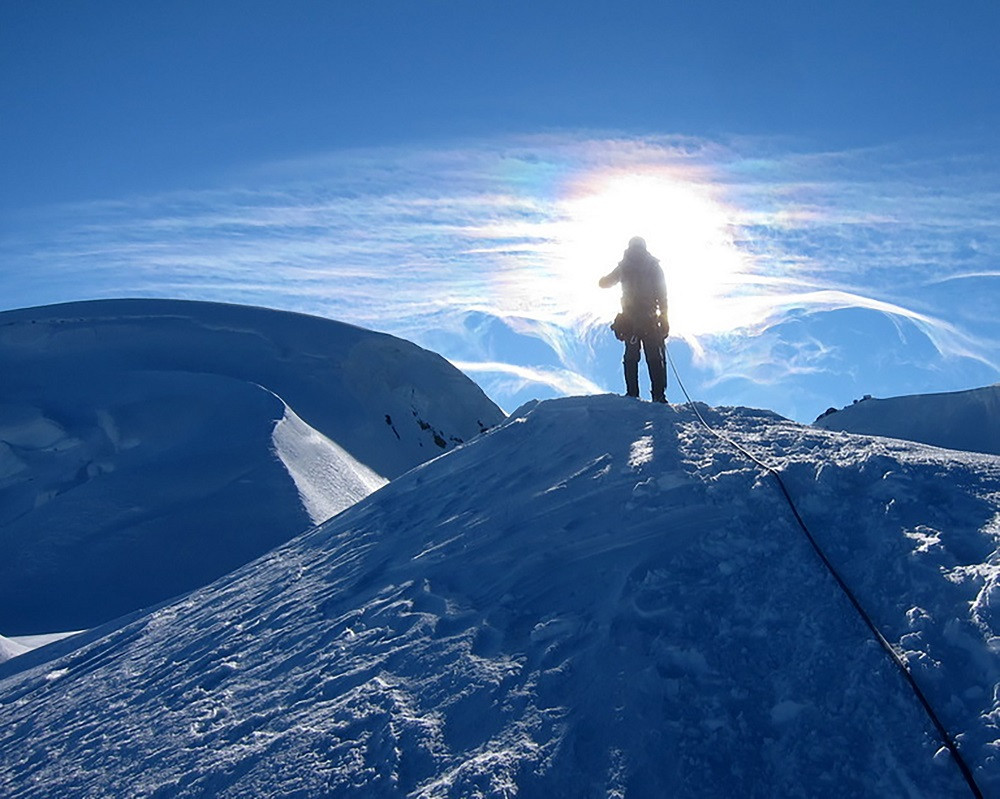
684 225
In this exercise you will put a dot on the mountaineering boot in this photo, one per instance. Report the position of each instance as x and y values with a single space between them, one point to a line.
656 362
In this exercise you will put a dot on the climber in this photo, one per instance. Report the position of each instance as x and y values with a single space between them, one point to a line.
642 324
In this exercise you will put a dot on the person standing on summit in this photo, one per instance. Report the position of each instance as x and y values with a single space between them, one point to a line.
642 324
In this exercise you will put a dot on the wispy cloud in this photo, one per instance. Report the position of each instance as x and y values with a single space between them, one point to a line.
489 251
509 378
964 276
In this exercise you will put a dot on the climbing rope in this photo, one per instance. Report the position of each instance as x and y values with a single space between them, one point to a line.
946 737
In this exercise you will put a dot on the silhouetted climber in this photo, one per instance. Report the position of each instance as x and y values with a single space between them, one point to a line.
642 324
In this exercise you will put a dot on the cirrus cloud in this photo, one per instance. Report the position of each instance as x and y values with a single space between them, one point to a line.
489 251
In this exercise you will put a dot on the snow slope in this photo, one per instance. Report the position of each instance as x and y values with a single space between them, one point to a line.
10 649
148 447
597 598
968 420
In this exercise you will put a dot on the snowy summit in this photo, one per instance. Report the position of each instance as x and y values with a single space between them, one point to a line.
148 447
596 598
968 420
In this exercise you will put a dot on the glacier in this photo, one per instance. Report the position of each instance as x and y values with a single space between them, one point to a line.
148 447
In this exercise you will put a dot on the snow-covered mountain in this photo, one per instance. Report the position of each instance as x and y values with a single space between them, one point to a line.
968 420
596 598
148 447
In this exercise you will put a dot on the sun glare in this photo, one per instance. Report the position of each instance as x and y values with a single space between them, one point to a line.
684 226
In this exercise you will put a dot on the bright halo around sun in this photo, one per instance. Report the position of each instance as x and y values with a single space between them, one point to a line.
683 225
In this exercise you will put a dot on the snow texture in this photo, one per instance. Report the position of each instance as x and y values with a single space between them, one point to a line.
10 649
596 598
148 447
328 479
968 420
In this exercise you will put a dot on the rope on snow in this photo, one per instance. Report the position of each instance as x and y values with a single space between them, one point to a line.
946 737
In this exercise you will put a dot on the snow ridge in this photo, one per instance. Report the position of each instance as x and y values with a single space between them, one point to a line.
10 649
328 479
595 598
965 420
148 447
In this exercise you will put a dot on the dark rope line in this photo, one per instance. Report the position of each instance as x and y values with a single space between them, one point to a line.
946 737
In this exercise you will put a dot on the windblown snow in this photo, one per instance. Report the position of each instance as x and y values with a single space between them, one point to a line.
968 420
596 598
9 649
148 447
327 477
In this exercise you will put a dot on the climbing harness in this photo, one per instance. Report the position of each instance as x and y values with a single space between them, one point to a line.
946 737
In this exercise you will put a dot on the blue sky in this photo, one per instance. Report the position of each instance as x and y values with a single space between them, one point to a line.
821 181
